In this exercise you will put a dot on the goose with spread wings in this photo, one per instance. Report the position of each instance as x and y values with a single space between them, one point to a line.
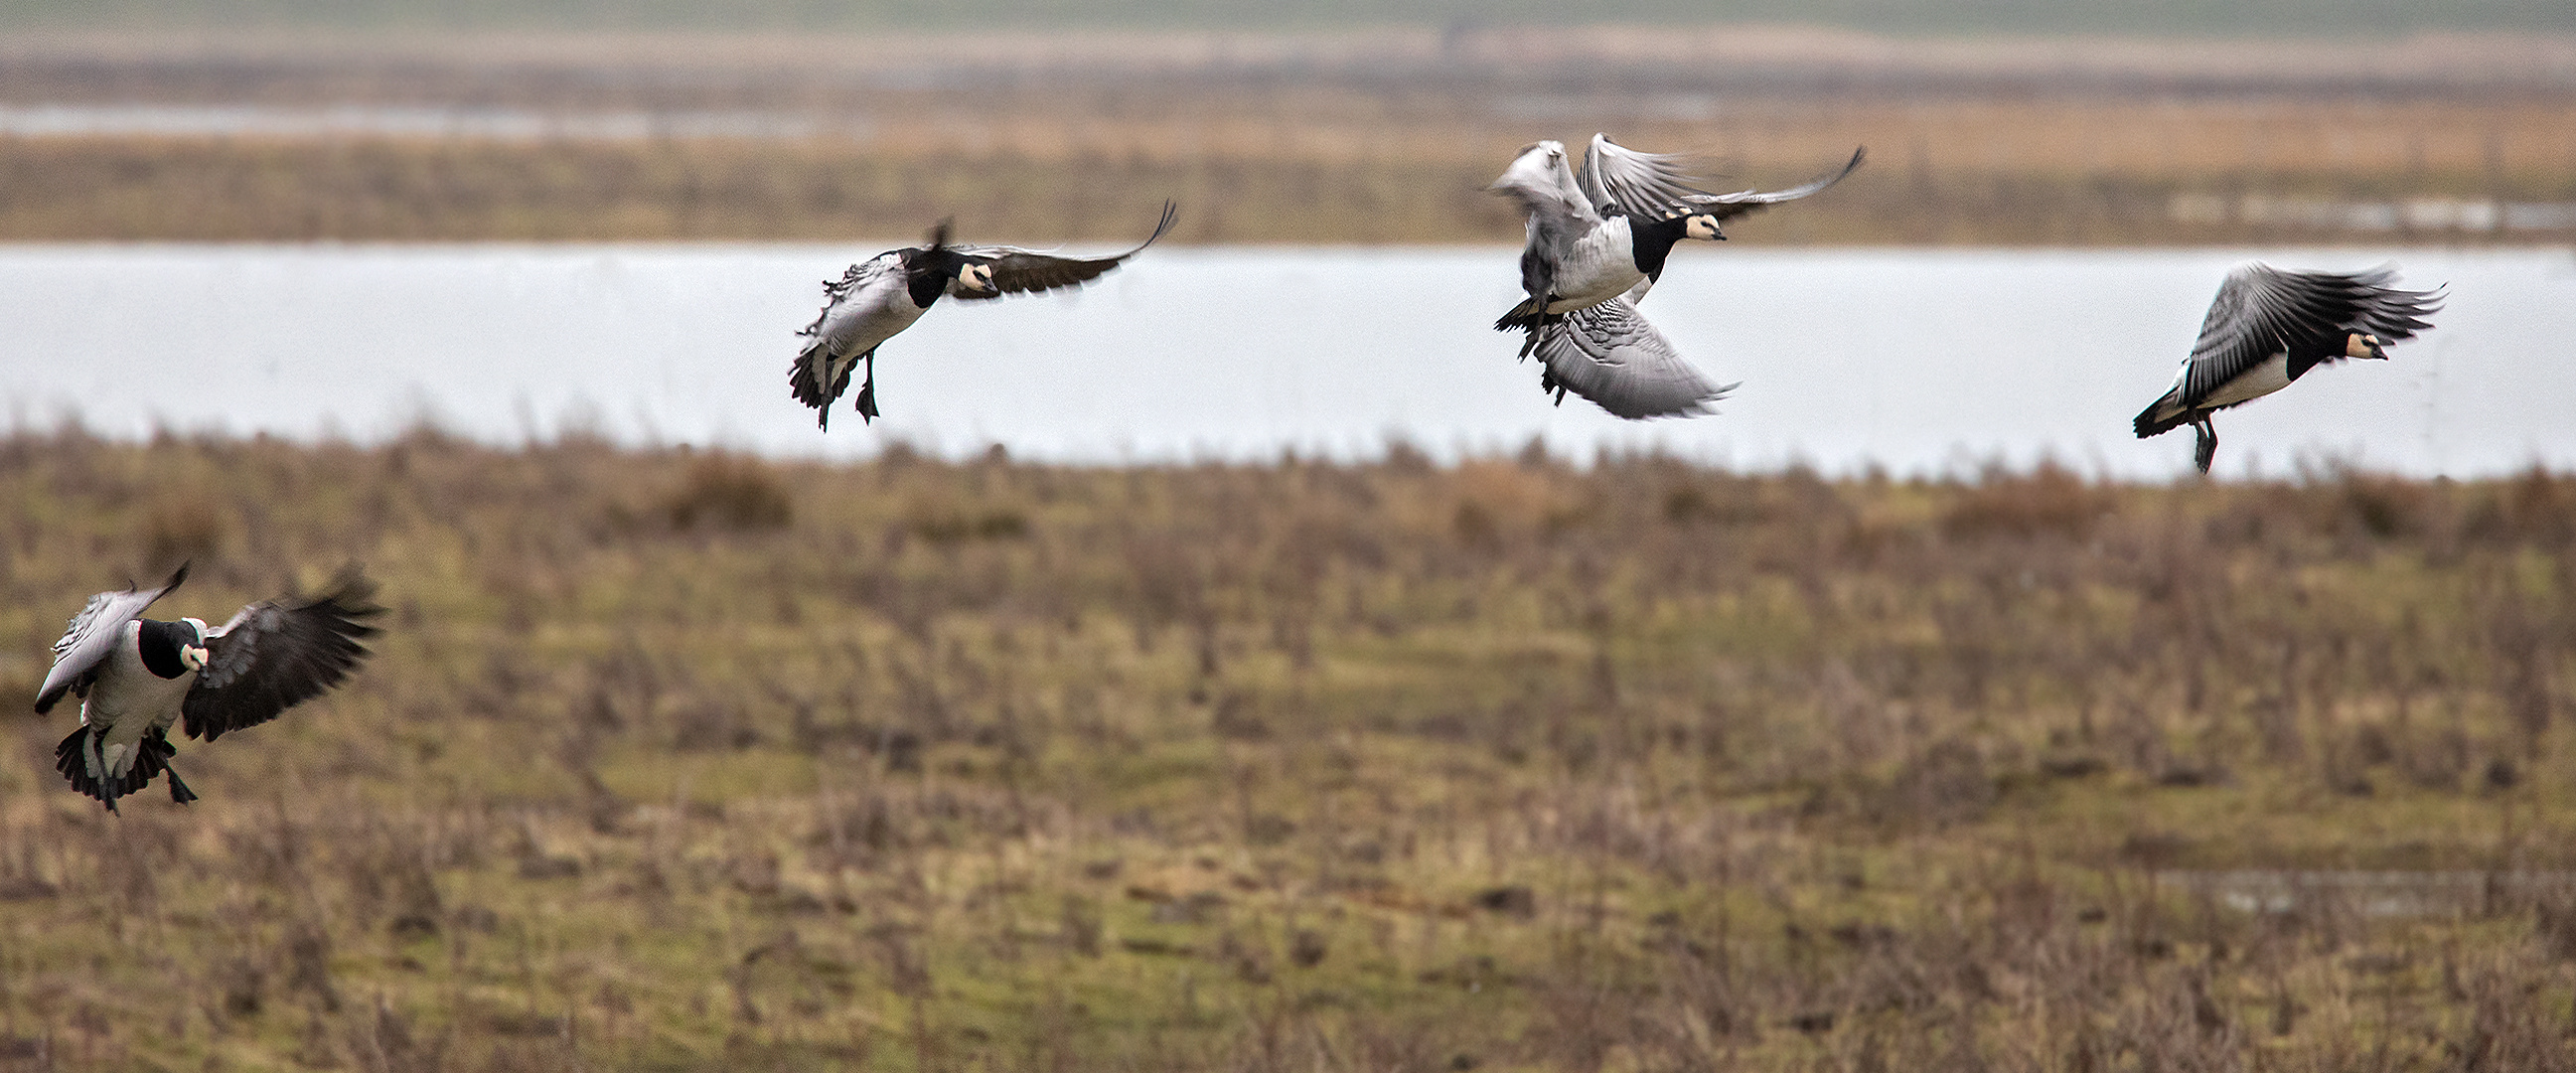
884 295
1595 244
136 677
2269 327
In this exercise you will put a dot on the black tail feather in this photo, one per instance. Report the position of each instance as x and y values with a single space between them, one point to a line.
1526 315
151 759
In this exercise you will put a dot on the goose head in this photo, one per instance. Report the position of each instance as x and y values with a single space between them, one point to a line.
171 649
1702 226
2363 345
976 280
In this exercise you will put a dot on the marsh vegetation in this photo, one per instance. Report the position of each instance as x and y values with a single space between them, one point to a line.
673 759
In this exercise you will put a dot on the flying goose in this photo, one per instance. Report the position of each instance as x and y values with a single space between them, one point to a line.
137 676
1596 244
2268 327
1596 237
884 295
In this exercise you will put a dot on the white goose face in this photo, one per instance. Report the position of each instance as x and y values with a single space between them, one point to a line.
976 279
1702 226
2361 345
193 656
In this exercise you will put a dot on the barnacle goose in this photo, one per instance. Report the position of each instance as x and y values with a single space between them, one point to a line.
885 294
137 676
2268 327
1596 243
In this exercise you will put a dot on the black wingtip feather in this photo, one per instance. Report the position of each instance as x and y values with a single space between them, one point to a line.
250 687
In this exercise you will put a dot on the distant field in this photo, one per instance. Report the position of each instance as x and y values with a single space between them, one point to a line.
2019 16
1271 138
678 761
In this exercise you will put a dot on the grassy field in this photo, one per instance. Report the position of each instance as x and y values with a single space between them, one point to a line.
688 761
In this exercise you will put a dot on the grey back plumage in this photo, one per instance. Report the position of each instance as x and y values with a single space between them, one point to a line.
93 636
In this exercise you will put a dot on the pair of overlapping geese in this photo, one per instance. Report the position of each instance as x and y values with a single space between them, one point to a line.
1596 243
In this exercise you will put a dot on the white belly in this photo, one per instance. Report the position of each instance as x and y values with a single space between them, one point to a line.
869 316
128 700
2271 375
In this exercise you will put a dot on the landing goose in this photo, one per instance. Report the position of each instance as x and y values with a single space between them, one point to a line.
136 677
1595 245
884 295
2268 327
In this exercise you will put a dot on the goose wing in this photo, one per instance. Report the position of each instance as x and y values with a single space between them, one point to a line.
1609 354
278 653
1730 206
1018 271
1619 179
93 636
1543 184
2260 311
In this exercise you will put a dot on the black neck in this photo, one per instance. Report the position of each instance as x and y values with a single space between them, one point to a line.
159 643
1651 241
2319 350
926 275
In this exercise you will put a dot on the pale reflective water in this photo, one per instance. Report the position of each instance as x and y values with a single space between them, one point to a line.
1916 360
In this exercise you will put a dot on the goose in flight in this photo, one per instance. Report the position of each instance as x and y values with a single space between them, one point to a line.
885 294
1596 243
2268 327
135 677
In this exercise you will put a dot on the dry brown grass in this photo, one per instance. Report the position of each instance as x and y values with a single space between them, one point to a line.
2028 142
1511 765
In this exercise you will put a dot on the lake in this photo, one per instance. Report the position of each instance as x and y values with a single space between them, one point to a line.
1920 361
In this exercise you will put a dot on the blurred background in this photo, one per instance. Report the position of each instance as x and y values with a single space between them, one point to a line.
1240 664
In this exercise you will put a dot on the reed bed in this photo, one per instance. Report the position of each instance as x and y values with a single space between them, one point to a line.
1339 161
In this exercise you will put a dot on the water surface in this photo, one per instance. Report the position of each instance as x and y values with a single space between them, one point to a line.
1915 360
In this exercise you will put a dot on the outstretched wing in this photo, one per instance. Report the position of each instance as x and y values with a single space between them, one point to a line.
1609 354
1619 179
92 636
2260 311
1730 206
278 653
1018 271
